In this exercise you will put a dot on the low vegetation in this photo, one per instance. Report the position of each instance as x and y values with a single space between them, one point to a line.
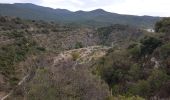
136 67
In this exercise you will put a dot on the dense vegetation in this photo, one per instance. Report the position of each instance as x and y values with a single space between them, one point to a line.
119 35
163 25
135 67
17 47
141 69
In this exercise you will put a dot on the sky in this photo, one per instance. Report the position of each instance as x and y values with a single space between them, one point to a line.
131 7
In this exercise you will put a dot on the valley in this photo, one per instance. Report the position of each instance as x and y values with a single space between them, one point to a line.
44 60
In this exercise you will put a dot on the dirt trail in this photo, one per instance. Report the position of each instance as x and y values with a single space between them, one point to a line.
24 79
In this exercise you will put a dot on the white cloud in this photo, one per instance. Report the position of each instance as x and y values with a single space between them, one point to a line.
78 2
137 7
142 7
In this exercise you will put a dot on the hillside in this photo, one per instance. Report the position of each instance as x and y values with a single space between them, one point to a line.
42 60
96 17
28 44
141 69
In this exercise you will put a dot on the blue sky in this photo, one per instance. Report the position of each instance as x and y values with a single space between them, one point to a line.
133 7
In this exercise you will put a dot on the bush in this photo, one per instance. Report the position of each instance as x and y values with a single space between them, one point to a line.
113 75
163 25
41 49
165 50
149 44
157 79
104 32
75 56
78 45
135 50
141 88
135 72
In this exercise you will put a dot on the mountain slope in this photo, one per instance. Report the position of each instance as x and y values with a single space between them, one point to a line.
96 17
137 63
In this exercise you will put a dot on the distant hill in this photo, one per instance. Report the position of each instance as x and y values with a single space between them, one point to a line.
96 17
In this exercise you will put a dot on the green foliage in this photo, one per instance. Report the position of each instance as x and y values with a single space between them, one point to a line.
135 50
135 72
75 56
148 44
12 54
165 50
157 79
104 32
13 81
163 25
146 88
78 45
113 71
126 76
141 88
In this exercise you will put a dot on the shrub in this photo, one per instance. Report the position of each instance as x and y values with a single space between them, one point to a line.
135 50
149 44
135 72
165 50
12 54
157 79
41 48
75 56
141 88
15 34
78 45
163 25
13 81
